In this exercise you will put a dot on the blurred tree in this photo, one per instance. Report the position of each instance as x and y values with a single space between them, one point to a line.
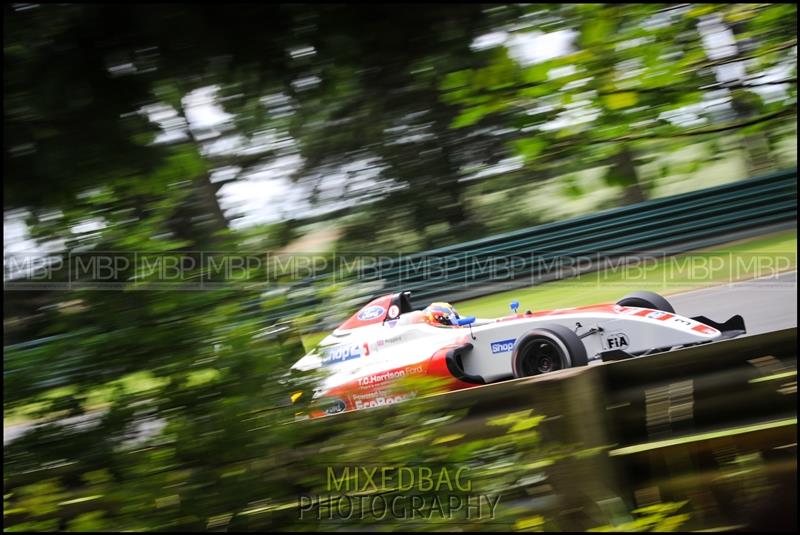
79 151
377 97
759 38
353 96
80 80
68 120
629 75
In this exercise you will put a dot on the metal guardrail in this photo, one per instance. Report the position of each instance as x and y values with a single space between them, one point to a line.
669 225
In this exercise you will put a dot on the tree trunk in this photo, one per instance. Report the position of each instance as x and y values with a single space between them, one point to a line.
202 203
755 145
625 172
457 215
199 217
208 193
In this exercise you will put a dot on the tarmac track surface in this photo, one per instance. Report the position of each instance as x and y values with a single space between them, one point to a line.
766 304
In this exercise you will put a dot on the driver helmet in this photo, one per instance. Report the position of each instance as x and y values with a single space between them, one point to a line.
439 314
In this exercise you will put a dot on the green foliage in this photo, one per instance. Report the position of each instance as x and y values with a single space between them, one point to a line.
530 148
630 66
660 517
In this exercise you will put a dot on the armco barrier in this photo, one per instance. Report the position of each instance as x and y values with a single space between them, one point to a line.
667 225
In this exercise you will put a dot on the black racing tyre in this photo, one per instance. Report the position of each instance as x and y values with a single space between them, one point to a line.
646 300
546 349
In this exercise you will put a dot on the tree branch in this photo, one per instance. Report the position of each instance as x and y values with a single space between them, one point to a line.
745 85
245 161
528 85
566 146
711 130
735 58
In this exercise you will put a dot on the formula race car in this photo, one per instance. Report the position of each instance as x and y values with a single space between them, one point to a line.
387 340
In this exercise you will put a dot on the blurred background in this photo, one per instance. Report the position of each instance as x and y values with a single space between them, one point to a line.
316 129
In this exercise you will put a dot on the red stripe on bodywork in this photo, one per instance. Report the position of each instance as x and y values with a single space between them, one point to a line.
705 329
609 309
380 383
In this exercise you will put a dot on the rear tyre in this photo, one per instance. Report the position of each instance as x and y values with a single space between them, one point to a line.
646 300
547 349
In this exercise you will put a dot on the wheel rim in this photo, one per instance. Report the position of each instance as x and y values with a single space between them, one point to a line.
542 356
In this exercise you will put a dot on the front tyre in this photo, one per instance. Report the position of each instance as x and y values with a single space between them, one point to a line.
547 349
646 300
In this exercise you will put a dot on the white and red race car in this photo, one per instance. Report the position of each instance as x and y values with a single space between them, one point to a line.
387 340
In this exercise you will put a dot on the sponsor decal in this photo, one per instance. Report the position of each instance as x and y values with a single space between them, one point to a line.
370 313
705 329
336 406
365 395
379 401
502 346
340 354
379 378
658 314
390 341
394 311
617 341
